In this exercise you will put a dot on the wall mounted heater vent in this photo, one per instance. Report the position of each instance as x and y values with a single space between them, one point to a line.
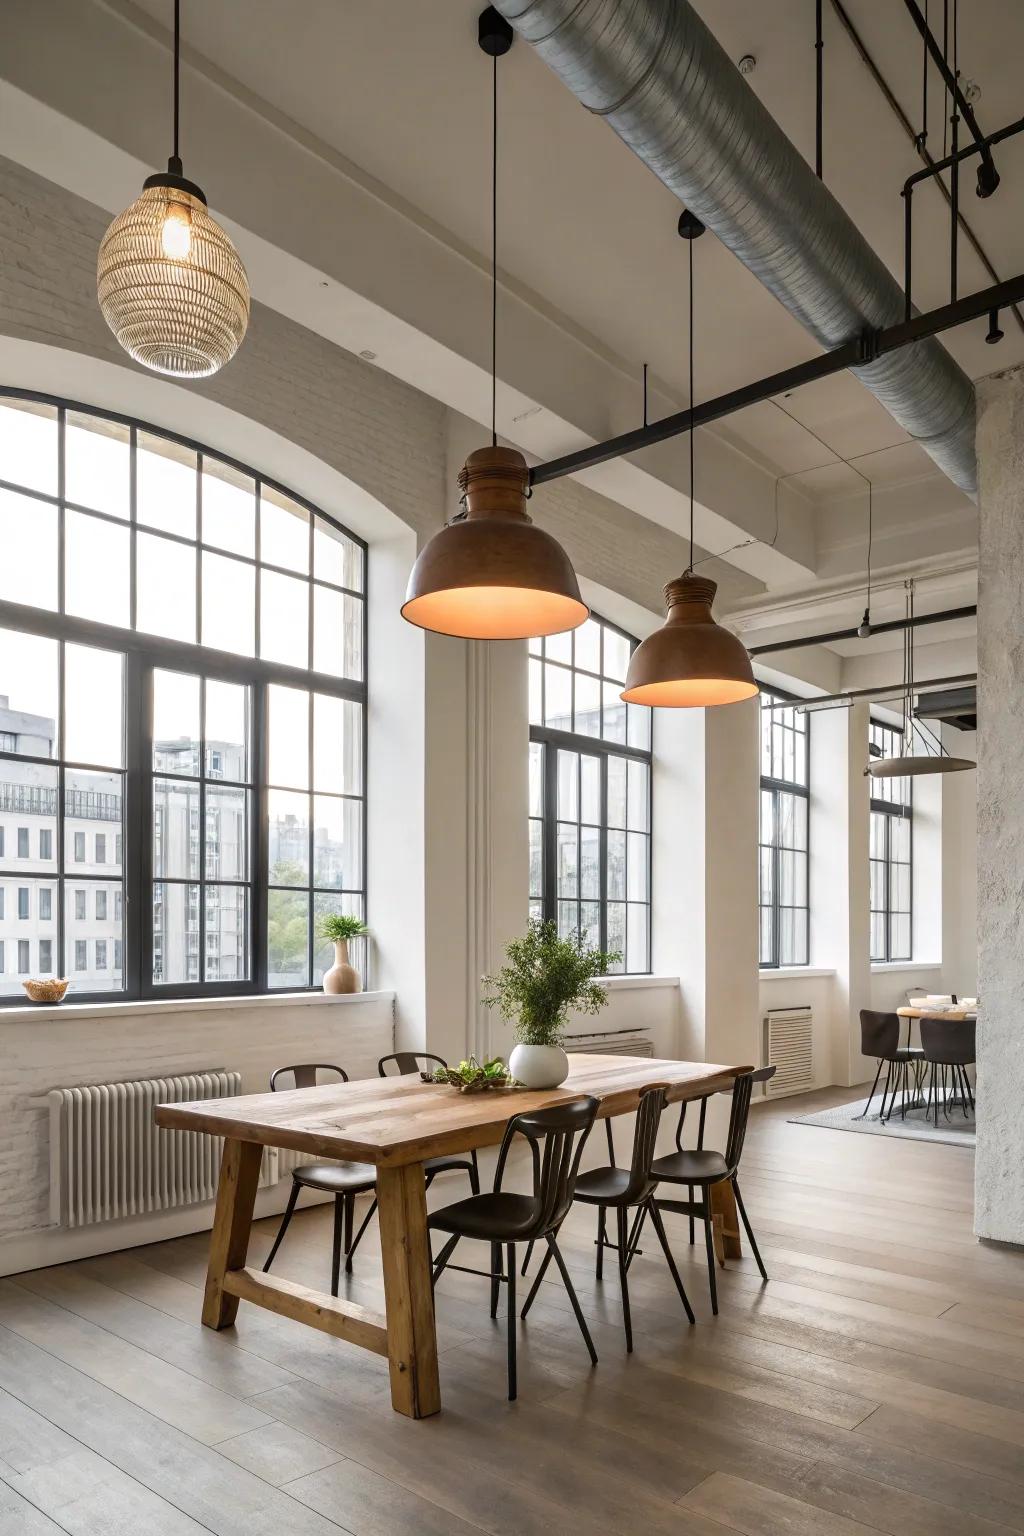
615 1042
109 1159
788 1046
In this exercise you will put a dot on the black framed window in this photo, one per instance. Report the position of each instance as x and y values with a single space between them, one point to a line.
159 604
590 792
784 904
891 852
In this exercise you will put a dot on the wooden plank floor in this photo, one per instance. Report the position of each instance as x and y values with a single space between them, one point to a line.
875 1384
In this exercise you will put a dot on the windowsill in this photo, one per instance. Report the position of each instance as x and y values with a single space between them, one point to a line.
140 1007
634 983
794 972
906 965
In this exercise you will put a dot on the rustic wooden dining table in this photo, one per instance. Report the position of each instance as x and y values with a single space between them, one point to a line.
396 1123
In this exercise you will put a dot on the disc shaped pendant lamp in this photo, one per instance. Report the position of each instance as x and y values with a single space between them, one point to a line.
934 758
171 285
690 662
491 573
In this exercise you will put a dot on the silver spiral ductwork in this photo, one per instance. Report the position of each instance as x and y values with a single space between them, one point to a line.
666 86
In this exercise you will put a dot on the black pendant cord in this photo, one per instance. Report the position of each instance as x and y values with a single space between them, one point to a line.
177 74
922 137
690 566
871 525
494 255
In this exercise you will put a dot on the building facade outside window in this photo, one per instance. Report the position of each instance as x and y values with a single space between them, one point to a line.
24 962
784 905
891 853
590 793
183 717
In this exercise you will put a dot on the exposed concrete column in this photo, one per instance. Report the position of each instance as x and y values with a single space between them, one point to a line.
999 1176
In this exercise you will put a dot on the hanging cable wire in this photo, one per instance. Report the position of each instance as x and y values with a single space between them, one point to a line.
691 244
177 70
494 252
922 137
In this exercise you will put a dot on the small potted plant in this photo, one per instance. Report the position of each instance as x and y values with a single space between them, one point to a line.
546 977
339 928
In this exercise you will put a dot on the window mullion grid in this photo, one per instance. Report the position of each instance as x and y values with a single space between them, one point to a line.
550 835
62 957
310 877
602 845
201 837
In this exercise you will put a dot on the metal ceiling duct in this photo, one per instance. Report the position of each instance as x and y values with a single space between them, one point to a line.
669 90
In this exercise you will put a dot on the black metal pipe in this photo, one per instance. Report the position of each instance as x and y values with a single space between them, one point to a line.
863 349
988 176
819 95
882 693
890 626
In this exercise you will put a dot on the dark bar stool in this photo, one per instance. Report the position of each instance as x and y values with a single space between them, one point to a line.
623 1190
949 1047
700 1169
342 1180
880 1037
557 1137
405 1063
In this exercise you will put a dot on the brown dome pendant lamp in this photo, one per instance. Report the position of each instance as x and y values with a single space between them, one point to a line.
690 662
491 573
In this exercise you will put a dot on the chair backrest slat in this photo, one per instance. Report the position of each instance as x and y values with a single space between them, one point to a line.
740 1112
557 1136
404 1063
306 1075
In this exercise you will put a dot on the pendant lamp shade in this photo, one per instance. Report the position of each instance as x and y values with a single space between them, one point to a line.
170 283
690 662
914 767
493 574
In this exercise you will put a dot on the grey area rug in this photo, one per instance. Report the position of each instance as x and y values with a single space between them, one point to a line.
954 1131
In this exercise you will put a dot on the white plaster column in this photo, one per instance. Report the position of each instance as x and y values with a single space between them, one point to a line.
839 877
999 1168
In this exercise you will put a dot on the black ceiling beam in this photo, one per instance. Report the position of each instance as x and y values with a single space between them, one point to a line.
988 176
863 349
886 628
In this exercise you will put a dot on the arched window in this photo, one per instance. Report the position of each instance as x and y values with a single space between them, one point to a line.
182 713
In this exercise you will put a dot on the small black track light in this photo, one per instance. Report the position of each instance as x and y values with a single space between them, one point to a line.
864 627
494 33
994 333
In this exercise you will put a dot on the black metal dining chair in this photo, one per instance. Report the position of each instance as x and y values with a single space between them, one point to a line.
949 1047
625 1190
404 1064
880 1037
342 1180
501 1218
700 1169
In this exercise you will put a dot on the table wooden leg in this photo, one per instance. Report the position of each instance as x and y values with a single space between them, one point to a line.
408 1293
229 1240
725 1222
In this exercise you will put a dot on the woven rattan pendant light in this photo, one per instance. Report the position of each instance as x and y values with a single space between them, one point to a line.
690 662
491 573
170 283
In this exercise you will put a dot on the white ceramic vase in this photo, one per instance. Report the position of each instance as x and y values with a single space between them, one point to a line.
539 1066
342 977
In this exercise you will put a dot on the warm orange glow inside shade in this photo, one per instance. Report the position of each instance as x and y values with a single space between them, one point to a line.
495 613
691 693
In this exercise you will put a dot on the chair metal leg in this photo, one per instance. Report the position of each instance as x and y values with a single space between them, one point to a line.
622 1237
496 1273
527 1257
443 1257
283 1228
749 1229
535 1287
574 1299
863 1116
511 1322
889 1090
905 1078
633 1243
602 1216
935 1081
339 1218
710 1244
356 1240
474 1173
689 1192
659 1227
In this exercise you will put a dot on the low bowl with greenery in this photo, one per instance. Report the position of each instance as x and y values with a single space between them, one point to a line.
473 1076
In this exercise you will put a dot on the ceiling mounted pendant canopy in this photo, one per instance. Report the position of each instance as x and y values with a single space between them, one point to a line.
934 758
690 662
491 573
170 283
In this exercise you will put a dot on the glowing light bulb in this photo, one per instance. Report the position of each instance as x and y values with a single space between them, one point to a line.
176 232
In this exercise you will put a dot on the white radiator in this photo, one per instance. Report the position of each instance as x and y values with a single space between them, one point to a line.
615 1042
789 1048
109 1158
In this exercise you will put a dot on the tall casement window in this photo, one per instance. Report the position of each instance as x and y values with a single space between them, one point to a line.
590 793
785 793
182 713
891 852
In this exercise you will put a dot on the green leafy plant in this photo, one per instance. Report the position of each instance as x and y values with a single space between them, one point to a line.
470 1076
546 978
338 925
